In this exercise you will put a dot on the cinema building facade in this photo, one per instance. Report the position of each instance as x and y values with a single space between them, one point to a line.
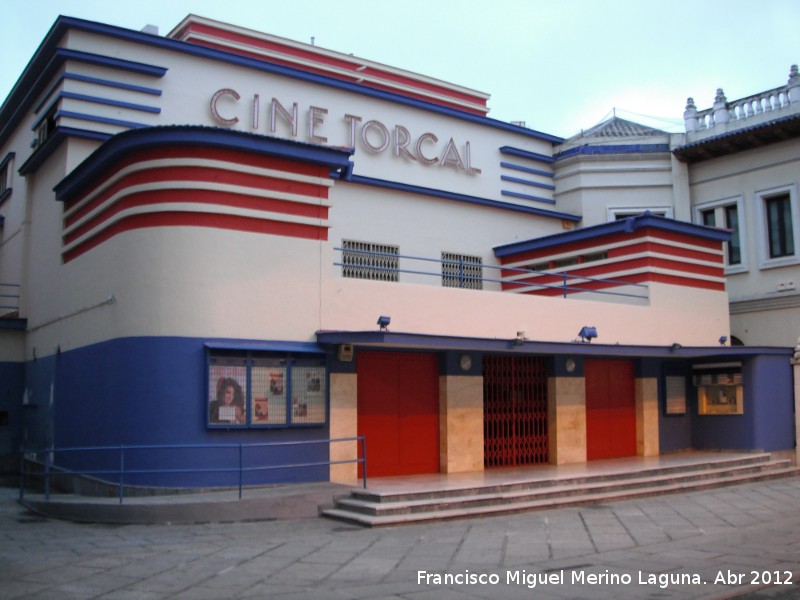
220 237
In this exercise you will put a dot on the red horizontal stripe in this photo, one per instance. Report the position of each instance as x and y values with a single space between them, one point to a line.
207 175
628 279
234 156
350 78
602 271
323 60
665 249
229 222
155 198
593 245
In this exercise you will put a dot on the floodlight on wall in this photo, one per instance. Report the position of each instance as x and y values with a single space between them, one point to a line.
383 322
587 334
722 340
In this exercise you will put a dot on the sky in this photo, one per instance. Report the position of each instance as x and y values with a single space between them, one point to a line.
560 66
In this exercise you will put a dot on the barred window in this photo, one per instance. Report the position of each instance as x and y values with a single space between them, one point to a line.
462 271
366 260
5 176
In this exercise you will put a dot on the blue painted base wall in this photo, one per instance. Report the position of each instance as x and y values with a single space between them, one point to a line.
12 386
140 391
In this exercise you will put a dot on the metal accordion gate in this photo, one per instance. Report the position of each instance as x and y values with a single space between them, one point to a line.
514 411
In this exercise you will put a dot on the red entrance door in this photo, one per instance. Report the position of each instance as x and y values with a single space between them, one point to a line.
398 412
610 409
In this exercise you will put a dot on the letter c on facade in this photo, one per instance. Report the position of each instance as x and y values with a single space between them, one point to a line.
215 112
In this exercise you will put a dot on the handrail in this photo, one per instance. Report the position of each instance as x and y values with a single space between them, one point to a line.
462 277
122 471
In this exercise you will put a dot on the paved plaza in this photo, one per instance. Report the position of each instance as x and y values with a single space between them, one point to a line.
711 544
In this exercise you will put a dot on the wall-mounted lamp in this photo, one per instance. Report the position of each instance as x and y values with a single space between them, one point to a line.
722 340
675 347
383 322
587 334
520 338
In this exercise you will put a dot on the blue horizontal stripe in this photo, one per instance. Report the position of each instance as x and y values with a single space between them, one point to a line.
117 64
444 342
509 165
519 153
613 149
97 119
526 196
265 346
94 80
55 139
628 225
112 84
110 102
196 135
545 186
531 210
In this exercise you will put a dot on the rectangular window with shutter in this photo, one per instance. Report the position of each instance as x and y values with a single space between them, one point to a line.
675 396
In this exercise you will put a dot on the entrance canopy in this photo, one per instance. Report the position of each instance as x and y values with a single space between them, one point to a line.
390 339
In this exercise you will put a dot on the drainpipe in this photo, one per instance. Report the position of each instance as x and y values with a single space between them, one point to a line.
796 363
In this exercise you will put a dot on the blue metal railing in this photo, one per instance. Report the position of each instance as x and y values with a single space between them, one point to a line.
50 469
464 280
9 296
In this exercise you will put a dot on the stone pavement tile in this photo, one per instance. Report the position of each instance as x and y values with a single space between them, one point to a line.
305 574
447 594
742 563
415 562
365 569
435 545
571 551
488 560
61 575
140 568
521 553
269 564
91 587
604 542
328 555
12 590
368 589
129 595
170 582
641 528
271 589
634 564
199 593
56 593
672 523
293 550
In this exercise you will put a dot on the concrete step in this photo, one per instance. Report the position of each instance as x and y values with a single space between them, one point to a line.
711 466
499 495
396 509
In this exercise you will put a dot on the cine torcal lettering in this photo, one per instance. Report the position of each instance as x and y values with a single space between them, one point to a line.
373 135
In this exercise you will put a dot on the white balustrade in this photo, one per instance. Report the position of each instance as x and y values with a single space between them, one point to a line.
739 111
